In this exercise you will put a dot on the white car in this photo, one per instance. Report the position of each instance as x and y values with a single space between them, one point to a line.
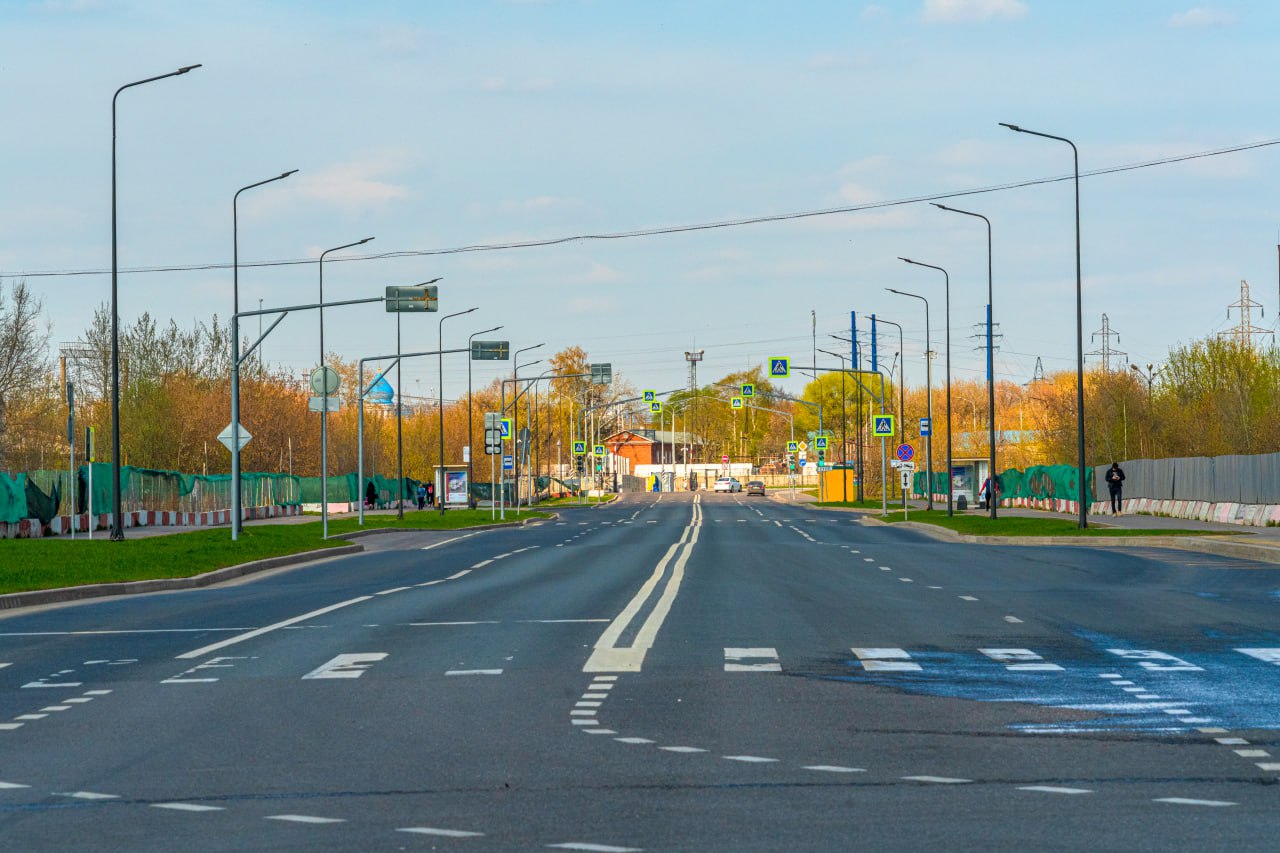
727 484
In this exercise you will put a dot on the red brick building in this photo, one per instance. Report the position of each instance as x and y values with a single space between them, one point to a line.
654 447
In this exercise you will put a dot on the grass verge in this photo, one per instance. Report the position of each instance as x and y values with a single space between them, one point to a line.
29 564
981 525
864 504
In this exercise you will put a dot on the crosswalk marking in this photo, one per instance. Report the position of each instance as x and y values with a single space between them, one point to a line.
1271 656
885 660
1150 659
1021 660
346 666
751 660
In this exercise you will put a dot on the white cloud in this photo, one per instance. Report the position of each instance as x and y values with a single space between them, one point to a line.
1202 16
355 186
952 11
530 205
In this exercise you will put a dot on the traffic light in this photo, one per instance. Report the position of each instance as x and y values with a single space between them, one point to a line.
822 457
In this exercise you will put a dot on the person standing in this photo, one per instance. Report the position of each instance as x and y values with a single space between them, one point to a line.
1115 485
422 495
371 495
431 494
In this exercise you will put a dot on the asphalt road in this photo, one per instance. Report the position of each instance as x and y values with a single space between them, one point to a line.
675 673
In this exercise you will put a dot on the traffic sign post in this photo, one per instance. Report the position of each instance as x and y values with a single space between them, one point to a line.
504 425
779 367
656 407
882 426
905 452
735 402
650 396
793 446
579 448
926 428
748 390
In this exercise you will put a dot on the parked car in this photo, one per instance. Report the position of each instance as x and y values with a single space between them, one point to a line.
727 484
756 487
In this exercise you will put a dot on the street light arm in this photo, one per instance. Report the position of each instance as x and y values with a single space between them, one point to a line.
182 70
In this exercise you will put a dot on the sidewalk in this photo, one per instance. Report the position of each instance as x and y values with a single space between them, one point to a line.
1257 535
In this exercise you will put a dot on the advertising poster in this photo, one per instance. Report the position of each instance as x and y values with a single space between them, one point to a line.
455 487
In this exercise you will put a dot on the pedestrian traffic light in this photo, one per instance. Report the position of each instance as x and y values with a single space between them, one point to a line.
822 457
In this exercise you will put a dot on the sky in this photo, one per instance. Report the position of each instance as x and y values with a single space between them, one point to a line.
437 125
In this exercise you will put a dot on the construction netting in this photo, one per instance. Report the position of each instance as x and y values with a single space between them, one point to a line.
346 488
45 493
1039 481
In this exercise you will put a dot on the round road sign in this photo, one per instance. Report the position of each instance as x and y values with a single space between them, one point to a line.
724 460
325 380
905 452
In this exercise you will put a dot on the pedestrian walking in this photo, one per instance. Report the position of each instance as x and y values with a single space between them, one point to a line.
422 496
431 494
1115 485
371 495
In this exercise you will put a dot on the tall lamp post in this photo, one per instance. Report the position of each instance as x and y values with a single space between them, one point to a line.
515 432
324 412
471 453
117 511
947 278
236 524
1082 497
992 500
440 365
928 391
400 415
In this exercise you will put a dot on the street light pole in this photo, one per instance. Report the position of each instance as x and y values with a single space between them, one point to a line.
236 510
992 500
1075 157
399 419
324 412
470 431
117 510
947 278
440 365
928 390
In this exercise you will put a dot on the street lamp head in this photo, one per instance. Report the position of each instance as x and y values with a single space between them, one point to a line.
1135 367
362 242
1012 127
907 260
187 68
940 206
288 173
433 281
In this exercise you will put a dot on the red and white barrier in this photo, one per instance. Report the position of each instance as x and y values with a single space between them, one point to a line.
30 528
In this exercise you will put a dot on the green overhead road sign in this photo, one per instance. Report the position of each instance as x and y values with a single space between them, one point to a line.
414 298
779 367
882 426
655 407
579 448
650 396
602 373
748 390
490 350
736 402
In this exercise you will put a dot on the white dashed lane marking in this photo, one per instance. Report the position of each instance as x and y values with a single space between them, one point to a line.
303 818
186 807
751 660
1054 789
1183 801
474 672
938 780
444 833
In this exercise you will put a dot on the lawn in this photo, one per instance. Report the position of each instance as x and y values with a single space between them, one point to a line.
27 564
863 504
981 525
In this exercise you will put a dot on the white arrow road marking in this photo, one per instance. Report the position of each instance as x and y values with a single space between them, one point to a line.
346 666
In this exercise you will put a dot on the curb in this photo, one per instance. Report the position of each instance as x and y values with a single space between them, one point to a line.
36 597
1201 544
356 534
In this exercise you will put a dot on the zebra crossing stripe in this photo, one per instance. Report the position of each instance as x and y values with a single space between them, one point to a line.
1271 656
1021 660
886 660
751 660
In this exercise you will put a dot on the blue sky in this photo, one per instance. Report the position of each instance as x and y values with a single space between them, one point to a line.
433 125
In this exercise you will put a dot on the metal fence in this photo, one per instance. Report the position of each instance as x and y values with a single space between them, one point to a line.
1218 479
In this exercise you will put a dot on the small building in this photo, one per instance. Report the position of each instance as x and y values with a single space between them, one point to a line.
654 447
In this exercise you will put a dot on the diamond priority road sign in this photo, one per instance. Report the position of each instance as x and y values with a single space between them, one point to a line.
225 437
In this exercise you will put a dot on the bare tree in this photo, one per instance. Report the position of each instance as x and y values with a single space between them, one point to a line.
24 350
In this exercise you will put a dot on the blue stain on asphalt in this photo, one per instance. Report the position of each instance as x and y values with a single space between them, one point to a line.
1217 684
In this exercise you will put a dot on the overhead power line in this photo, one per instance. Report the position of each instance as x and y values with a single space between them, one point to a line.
663 230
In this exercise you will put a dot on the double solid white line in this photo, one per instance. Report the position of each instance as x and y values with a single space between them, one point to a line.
608 655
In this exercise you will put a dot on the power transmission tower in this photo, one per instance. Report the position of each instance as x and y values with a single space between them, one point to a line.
1037 375
693 358
1106 352
1244 330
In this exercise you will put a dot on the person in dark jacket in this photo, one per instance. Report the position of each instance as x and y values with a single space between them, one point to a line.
431 494
371 495
1115 485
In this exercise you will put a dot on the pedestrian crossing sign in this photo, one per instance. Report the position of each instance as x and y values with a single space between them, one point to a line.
650 396
655 407
736 402
598 450
779 367
579 448
748 390
820 442
506 428
882 425
793 446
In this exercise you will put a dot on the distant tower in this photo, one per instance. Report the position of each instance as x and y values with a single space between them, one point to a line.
1037 375
1244 330
693 358
1106 352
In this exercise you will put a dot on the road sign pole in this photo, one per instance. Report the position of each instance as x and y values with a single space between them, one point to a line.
884 486
493 510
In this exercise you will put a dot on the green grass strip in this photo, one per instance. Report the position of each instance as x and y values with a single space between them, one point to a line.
982 525
30 564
